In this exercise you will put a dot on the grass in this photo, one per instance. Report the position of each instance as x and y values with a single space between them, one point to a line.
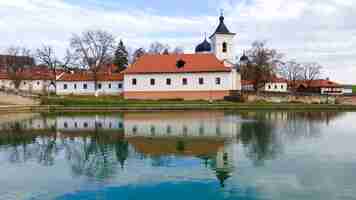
112 103
354 89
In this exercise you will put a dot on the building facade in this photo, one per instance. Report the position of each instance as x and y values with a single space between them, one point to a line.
84 84
209 74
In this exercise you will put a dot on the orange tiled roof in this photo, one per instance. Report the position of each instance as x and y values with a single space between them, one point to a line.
168 64
29 76
88 76
318 84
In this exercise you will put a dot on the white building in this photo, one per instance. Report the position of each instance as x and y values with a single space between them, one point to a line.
182 124
29 82
210 74
84 84
276 85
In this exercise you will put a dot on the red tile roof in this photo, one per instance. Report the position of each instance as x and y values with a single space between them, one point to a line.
29 76
318 84
168 64
247 82
87 76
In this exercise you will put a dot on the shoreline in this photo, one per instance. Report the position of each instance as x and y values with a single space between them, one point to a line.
177 107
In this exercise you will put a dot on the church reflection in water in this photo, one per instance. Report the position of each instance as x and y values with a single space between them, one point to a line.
98 146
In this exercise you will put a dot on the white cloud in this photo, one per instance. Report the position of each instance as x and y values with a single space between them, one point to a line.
307 30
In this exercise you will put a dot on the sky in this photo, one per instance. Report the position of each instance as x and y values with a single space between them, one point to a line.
322 31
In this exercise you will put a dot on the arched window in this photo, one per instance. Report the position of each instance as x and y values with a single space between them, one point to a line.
224 47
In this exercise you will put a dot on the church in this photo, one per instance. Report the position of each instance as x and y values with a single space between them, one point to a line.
211 73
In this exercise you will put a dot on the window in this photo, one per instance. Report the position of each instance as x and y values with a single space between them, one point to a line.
282 87
99 86
134 81
65 86
75 124
224 47
201 130
24 83
85 86
201 81
120 125
185 81
152 81
75 86
109 86
169 129
269 86
119 85
153 130
168 81
65 125
85 125
218 81
275 87
134 130
38 83
185 131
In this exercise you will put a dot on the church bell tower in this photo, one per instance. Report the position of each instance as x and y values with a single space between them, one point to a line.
223 42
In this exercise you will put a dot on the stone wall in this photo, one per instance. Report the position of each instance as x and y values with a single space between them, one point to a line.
252 97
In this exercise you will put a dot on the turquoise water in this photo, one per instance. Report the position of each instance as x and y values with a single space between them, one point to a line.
178 155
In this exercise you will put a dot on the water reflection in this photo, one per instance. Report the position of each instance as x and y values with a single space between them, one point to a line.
99 147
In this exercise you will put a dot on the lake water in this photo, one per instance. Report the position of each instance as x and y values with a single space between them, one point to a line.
178 155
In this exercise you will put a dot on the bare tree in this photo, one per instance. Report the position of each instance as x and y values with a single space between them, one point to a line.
137 54
92 49
311 71
263 63
292 71
46 55
178 50
158 48
17 59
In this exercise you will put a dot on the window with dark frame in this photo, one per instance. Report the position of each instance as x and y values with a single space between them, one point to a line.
185 81
109 86
224 47
99 86
119 85
65 86
152 81
168 81
75 86
218 81
134 81
85 86
201 81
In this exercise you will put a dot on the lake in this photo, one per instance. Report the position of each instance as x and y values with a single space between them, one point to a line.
208 155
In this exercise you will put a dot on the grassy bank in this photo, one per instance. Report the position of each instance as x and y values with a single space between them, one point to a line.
84 103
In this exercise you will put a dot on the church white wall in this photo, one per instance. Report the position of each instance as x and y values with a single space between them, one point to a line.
217 43
143 82
225 127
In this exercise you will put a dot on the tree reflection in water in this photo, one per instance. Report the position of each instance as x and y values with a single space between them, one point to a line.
100 154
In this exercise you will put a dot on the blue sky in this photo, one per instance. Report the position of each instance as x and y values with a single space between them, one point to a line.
320 31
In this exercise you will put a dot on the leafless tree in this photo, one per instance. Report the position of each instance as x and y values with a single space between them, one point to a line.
311 71
178 50
93 49
292 71
46 55
137 54
17 59
263 63
158 48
